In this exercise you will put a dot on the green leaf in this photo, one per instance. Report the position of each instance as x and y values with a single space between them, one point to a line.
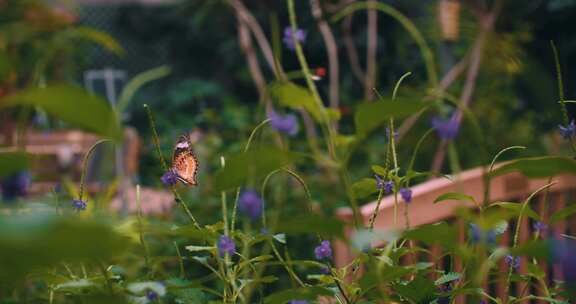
193 248
440 233
447 278
364 188
371 115
537 167
560 215
41 240
12 162
455 196
304 293
280 238
99 37
538 249
296 97
379 170
73 105
419 290
254 163
516 209
309 224
387 274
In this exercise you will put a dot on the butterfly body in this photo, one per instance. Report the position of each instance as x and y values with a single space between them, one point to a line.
185 162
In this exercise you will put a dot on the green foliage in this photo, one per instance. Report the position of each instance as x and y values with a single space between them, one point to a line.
545 166
12 162
369 116
71 104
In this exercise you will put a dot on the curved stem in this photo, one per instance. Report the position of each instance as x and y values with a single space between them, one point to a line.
85 166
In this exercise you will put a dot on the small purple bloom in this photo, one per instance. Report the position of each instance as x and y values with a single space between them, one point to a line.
512 261
250 203
388 187
446 129
300 36
325 270
298 302
406 194
226 246
539 227
396 134
151 295
323 251
568 131
79 205
379 181
287 124
169 178
16 185
478 235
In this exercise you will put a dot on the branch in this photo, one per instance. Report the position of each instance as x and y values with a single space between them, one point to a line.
331 50
371 49
253 65
351 49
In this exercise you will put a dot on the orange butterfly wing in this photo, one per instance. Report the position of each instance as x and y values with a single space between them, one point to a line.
184 161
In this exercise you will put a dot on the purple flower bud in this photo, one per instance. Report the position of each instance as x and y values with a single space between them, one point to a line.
226 246
568 131
388 187
446 129
169 178
512 261
379 181
323 251
300 36
79 205
287 124
250 203
539 227
16 185
325 270
151 295
480 236
396 134
406 194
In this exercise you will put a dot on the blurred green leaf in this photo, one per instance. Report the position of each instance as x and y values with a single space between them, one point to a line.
99 37
71 104
254 163
419 290
12 162
455 196
387 274
447 278
538 249
538 166
440 233
34 241
364 188
516 209
304 293
296 97
562 214
311 223
371 115
379 170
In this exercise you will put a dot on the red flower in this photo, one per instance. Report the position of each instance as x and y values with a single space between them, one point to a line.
320 72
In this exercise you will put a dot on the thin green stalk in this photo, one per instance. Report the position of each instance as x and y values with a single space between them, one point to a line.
85 167
517 232
223 199
156 141
565 116
180 260
141 229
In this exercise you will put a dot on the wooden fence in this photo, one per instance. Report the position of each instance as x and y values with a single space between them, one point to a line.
512 187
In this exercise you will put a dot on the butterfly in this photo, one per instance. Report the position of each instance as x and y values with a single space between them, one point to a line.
184 161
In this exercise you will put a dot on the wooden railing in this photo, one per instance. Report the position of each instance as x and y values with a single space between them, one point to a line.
512 187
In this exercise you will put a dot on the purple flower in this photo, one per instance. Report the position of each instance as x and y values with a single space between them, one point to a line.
569 131
539 227
323 251
446 129
396 134
379 181
406 194
16 185
287 124
446 288
388 187
151 295
480 236
298 302
79 205
512 261
169 178
300 36
226 246
325 270
250 203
